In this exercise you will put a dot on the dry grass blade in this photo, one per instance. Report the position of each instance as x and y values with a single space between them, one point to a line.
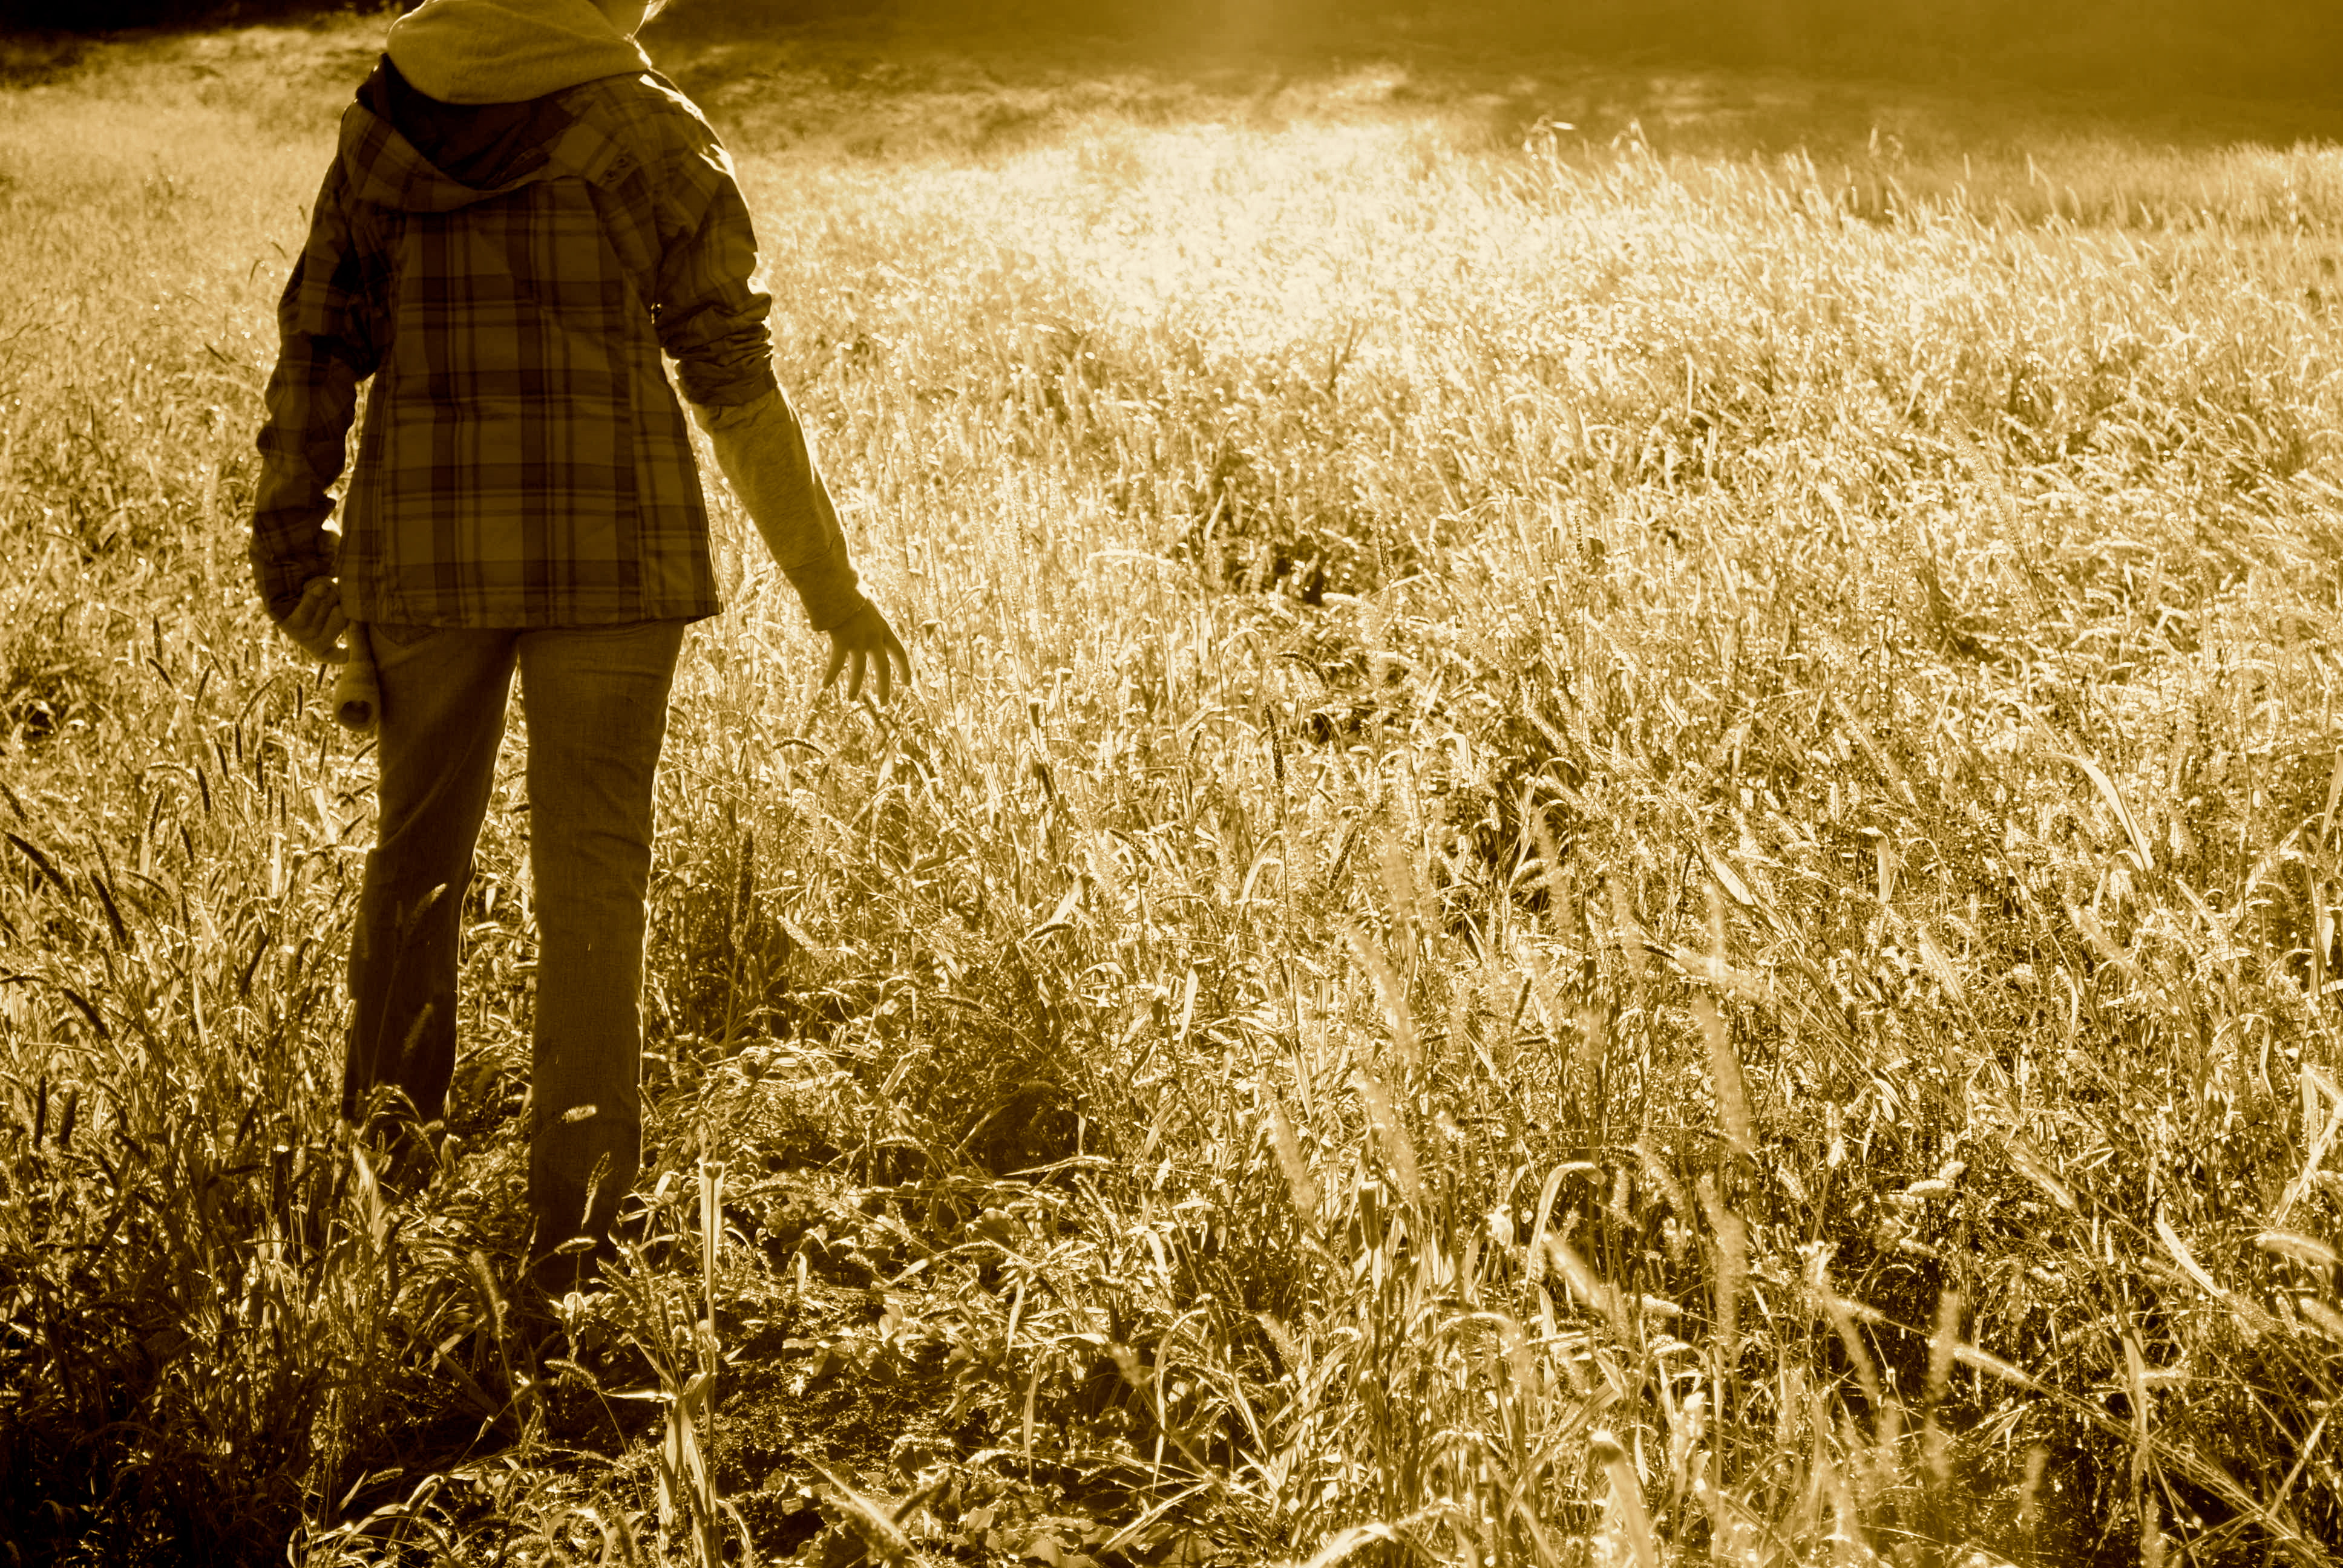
1626 1496
1345 1542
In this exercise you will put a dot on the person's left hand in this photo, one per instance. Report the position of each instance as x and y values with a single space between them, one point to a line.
317 622
866 641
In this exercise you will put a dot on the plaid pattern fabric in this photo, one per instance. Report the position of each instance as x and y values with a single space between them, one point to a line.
523 461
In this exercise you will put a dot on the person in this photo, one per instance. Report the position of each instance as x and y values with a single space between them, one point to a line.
520 219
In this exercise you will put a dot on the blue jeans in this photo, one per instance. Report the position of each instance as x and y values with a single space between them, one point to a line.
596 703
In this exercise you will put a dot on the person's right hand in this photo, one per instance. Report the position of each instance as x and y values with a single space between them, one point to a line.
866 638
317 622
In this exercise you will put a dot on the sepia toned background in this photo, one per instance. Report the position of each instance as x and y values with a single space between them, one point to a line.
1617 841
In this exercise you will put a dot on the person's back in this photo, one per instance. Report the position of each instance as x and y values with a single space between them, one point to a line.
520 218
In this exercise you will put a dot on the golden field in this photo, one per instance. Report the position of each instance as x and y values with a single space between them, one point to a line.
1617 845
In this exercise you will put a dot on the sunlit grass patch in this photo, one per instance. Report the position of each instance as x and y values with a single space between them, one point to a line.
1609 845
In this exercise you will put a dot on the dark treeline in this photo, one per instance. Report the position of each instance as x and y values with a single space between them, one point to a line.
2290 48
2251 48
121 15
2264 48
2286 48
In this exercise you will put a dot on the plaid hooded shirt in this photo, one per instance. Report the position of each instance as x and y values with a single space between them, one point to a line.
523 461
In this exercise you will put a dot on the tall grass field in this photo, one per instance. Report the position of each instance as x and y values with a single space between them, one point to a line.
1618 844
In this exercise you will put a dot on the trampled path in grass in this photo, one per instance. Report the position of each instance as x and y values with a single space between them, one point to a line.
1618 843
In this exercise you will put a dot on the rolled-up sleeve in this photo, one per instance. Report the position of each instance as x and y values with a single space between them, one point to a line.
711 320
709 313
327 346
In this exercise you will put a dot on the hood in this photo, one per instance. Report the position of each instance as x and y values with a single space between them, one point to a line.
510 51
387 167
